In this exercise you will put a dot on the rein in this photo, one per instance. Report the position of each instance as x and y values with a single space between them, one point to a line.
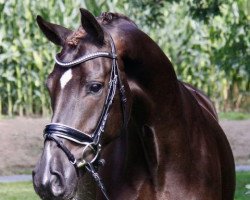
53 131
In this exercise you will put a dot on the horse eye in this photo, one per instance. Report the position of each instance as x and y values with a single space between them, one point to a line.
95 87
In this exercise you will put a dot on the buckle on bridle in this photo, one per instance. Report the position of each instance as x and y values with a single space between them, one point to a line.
73 162
95 161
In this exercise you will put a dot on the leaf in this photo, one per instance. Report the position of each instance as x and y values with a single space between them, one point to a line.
38 60
247 186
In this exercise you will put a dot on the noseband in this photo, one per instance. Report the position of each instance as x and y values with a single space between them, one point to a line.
53 131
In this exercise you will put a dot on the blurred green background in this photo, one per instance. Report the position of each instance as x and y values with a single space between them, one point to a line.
208 42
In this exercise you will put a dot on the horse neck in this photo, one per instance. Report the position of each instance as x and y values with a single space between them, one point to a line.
151 77
156 104
145 62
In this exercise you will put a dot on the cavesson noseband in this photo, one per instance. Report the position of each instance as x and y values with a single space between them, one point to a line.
53 131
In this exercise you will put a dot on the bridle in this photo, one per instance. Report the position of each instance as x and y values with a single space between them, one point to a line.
53 131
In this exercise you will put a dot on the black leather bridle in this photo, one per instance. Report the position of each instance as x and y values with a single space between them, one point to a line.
54 131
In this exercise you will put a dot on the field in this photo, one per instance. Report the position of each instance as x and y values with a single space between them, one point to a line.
242 193
17 191
25 191
24 135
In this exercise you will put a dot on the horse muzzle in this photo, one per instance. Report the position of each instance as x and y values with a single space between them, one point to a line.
54 177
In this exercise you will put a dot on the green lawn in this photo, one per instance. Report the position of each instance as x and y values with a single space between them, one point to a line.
242 193
25 191
17 191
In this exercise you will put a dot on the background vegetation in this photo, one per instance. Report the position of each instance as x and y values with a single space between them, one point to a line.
208 42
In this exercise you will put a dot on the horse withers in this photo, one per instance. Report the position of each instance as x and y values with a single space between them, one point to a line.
115 97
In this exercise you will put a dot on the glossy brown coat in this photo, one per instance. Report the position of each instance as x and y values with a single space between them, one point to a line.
173 147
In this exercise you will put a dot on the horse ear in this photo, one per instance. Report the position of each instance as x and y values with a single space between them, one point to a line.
91 26
55 33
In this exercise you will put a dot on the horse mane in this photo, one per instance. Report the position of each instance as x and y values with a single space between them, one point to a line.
105 18
108 17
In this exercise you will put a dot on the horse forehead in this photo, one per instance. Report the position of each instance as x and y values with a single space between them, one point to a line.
93 70
65 78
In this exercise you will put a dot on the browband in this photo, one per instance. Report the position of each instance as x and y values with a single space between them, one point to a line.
85 58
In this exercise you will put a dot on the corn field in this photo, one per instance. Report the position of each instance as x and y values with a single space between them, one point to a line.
214 56
26 57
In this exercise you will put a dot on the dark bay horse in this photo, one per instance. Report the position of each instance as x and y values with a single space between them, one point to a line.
115 96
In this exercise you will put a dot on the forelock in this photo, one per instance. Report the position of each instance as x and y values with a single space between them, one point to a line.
76 36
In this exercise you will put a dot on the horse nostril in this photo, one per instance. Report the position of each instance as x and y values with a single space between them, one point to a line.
57 182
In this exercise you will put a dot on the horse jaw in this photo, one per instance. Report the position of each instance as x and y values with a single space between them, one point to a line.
86 188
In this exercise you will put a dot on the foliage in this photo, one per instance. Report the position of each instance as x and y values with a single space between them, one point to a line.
208 42
203 9
26 57
242 182
214 54
234 115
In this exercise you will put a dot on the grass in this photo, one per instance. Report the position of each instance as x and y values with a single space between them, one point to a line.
242 179
25 191
17 191
234 115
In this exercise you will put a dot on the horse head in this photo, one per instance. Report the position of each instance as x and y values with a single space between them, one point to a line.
87 91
